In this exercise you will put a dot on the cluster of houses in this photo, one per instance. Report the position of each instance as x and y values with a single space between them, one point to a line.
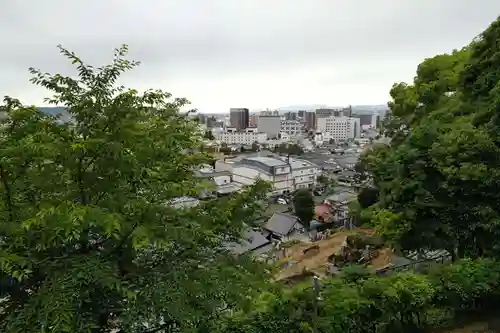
230 175
281 227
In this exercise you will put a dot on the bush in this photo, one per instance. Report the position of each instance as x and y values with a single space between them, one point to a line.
354 273
357 302
360 241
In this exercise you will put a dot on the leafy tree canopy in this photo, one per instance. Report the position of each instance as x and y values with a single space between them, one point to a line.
89 240
303 203
439 177
358 302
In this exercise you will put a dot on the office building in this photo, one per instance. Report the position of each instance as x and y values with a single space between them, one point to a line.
310 120
285 175
291 127
290 115
370 120
270 124
331 112
253 120
239 118
270 113
324 113
233 136
338 128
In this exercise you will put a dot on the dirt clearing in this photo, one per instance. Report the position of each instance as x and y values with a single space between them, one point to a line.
316 257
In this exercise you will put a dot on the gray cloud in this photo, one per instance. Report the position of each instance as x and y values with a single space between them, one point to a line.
256 53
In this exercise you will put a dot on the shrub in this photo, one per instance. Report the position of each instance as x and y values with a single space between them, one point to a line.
357 302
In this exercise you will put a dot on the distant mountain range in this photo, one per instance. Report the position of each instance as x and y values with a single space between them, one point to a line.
56 111
380 109
358 109
324 106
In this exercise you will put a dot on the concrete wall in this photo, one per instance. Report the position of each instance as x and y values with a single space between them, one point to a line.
270 125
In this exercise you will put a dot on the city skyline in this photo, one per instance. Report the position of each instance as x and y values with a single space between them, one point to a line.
255 55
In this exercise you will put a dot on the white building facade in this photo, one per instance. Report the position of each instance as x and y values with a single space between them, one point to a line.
291 127
338 128
231 135
285 175
222 182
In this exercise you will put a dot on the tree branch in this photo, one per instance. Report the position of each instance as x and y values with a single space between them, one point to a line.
81 189
161 327
8 193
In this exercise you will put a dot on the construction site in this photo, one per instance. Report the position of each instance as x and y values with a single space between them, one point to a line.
329 254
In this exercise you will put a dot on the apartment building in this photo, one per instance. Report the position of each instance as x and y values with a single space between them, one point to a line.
239 118
310 120
270 113
338 128
233 136
253 120
290 115
291 127
285 175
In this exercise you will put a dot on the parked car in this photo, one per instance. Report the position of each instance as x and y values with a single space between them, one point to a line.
318 192
281 201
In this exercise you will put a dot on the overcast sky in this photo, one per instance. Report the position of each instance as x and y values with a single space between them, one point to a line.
241 53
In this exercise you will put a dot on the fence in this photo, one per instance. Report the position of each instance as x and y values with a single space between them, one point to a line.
420 265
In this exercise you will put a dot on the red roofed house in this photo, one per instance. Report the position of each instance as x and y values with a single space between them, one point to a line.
323 213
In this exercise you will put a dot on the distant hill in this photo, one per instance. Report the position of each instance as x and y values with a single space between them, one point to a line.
360 109
56 111
304 107
370 107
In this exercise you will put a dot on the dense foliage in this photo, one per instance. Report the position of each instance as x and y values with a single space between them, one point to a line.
403 302
91 241
439 179
303 204
89 238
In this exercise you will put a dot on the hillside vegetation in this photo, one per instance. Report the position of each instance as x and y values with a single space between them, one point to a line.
439 179
438 186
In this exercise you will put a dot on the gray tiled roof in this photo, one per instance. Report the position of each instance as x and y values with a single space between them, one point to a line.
347 159
281 224
251 240
342 197
347 173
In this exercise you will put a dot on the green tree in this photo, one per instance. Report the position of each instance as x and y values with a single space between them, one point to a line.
367 196
255 146
354 273
440 173
89 239
209 135
303 203
322 179
361 302
295 149
282 148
